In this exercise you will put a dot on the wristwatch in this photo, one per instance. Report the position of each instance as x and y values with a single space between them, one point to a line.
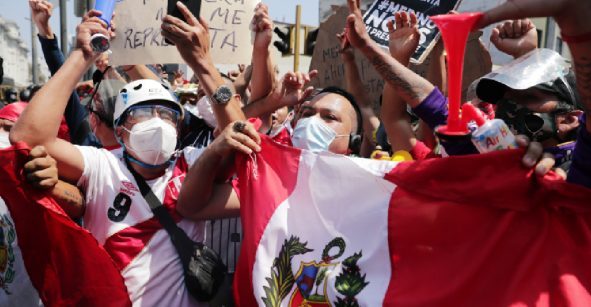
222 95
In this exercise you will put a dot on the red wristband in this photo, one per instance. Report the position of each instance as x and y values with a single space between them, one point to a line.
575 39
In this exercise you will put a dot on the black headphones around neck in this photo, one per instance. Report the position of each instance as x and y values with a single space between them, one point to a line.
355 141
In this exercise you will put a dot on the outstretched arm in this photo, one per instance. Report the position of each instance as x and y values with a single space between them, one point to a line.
404 39
263 75
39 123
242 81
41 13
293 89
370 121
192 41
411 87
75 114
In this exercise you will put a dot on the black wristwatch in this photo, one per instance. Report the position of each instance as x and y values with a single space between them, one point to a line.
222 95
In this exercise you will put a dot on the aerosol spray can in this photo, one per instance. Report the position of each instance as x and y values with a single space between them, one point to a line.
99 42
490 135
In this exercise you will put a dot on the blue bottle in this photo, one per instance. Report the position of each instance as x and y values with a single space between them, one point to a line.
99 42
106 7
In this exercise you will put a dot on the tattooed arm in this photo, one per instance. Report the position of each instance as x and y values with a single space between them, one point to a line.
42 173
411 87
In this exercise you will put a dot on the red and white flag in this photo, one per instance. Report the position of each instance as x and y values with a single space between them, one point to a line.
65 263
330 230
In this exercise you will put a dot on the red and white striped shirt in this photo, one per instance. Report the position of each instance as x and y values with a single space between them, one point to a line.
121 220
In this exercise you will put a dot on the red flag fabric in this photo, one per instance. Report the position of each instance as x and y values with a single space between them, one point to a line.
65 263
463 231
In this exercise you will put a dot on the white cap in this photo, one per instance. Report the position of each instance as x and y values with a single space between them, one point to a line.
141 91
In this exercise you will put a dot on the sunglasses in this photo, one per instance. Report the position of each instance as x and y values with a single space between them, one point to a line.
533 123
540 126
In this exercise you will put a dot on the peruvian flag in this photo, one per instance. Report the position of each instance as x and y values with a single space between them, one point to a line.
331 230
64 262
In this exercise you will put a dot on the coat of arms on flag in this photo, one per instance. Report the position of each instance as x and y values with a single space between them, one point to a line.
308 286
7 237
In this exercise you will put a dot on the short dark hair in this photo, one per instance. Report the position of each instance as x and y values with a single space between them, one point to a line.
352 101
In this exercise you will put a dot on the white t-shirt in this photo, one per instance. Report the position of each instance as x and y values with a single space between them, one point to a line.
117 215
16 288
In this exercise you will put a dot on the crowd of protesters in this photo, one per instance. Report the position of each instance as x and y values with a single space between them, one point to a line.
92 138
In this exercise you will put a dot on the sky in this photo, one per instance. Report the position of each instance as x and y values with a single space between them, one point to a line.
18 10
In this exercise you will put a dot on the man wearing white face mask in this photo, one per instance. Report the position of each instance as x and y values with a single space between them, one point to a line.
146 121
329 122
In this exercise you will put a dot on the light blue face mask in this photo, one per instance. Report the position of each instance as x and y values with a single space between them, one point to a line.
313 134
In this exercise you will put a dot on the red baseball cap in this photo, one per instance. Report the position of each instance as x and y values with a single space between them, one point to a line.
13 111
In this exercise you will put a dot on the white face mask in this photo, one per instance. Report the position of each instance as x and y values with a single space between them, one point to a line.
206 112
4 141
313 134
153 141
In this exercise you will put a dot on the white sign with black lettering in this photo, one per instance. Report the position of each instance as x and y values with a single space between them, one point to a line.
382 11
139 40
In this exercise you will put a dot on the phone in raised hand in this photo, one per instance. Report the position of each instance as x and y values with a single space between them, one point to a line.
193 5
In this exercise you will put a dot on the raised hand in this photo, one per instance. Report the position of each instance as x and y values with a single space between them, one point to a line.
262 25
91 25
404 37
571 15
347 52
515 37
293 89
41 13
191 38
356 32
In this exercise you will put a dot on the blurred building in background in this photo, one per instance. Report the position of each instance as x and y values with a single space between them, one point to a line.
17 67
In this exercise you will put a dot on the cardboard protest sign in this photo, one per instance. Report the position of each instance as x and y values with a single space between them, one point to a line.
139 40
377 17
327 59
331 69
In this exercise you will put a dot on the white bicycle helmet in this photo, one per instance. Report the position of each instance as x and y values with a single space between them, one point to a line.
141 91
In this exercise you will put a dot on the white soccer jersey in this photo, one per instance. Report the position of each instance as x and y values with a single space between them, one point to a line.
122 221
